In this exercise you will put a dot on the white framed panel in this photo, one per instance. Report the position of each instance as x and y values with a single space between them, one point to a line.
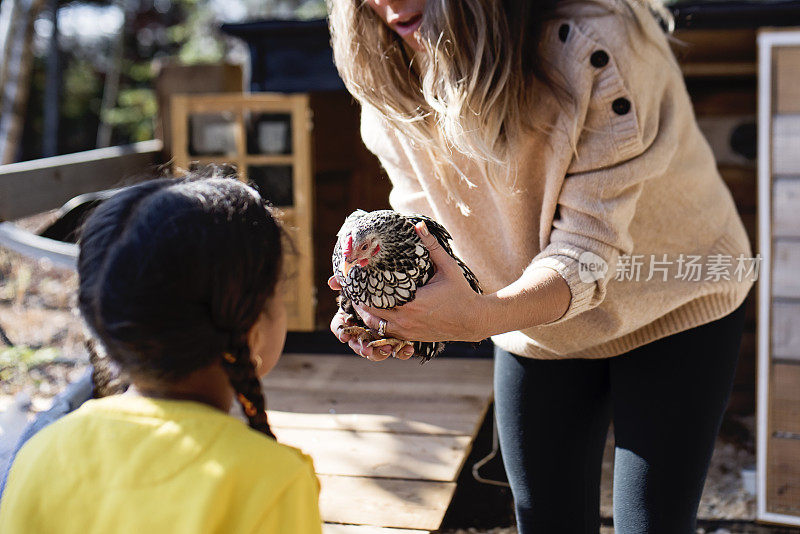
775 316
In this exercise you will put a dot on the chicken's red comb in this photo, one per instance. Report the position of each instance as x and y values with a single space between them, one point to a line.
348 245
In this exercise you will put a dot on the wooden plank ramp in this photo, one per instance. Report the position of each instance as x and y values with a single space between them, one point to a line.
388 439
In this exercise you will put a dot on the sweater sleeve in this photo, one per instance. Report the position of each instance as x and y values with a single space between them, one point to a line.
622 144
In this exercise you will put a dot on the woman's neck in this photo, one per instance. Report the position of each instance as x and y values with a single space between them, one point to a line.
209 385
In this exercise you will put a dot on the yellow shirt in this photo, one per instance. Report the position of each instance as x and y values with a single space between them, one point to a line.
128 464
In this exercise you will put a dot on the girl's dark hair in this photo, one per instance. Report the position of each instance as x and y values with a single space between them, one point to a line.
173 275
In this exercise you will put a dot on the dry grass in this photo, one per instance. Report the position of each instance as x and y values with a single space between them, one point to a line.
37 314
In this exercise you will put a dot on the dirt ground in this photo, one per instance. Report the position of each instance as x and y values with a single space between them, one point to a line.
37 314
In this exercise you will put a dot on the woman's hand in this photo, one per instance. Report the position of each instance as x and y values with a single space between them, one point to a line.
338 322
445 309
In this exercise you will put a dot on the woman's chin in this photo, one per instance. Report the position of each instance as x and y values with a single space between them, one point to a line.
414 43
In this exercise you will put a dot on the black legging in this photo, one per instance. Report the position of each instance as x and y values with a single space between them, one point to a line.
667 399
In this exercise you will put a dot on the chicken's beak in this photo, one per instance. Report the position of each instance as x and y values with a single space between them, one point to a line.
346 266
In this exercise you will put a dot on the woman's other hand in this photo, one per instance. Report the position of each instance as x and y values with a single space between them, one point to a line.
338 322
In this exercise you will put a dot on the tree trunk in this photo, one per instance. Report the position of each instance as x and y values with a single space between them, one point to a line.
15 71
52 89
6 11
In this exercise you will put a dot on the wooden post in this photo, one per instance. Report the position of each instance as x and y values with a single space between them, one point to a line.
31 187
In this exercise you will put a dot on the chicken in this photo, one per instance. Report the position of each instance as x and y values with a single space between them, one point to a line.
380 261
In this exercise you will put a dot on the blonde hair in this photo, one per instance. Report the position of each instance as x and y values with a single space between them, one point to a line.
467 92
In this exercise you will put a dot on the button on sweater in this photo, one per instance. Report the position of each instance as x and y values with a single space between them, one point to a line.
621 178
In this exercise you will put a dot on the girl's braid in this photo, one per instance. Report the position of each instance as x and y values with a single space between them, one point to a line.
242 374
107 378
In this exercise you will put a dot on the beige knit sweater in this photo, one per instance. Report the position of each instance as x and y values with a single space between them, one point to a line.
643 184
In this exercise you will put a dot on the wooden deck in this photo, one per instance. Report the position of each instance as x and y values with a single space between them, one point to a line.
388 439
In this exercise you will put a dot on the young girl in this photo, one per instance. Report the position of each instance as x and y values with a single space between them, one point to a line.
555 140
179 282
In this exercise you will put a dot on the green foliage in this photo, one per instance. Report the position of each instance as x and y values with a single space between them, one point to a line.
183 30
141 72
83 87
199 41
134 115
312 9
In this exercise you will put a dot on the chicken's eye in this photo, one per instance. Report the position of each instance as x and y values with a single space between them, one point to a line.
364 246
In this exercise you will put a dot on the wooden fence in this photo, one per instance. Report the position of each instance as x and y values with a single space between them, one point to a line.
39 185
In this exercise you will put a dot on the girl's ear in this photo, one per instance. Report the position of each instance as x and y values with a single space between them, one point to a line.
268 335
254 341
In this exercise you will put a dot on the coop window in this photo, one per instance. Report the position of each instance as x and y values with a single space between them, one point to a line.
274 183
269 133
212 134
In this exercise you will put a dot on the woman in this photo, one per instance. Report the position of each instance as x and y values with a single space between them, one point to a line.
557 143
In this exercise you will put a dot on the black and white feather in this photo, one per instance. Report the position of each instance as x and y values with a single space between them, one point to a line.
380 262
